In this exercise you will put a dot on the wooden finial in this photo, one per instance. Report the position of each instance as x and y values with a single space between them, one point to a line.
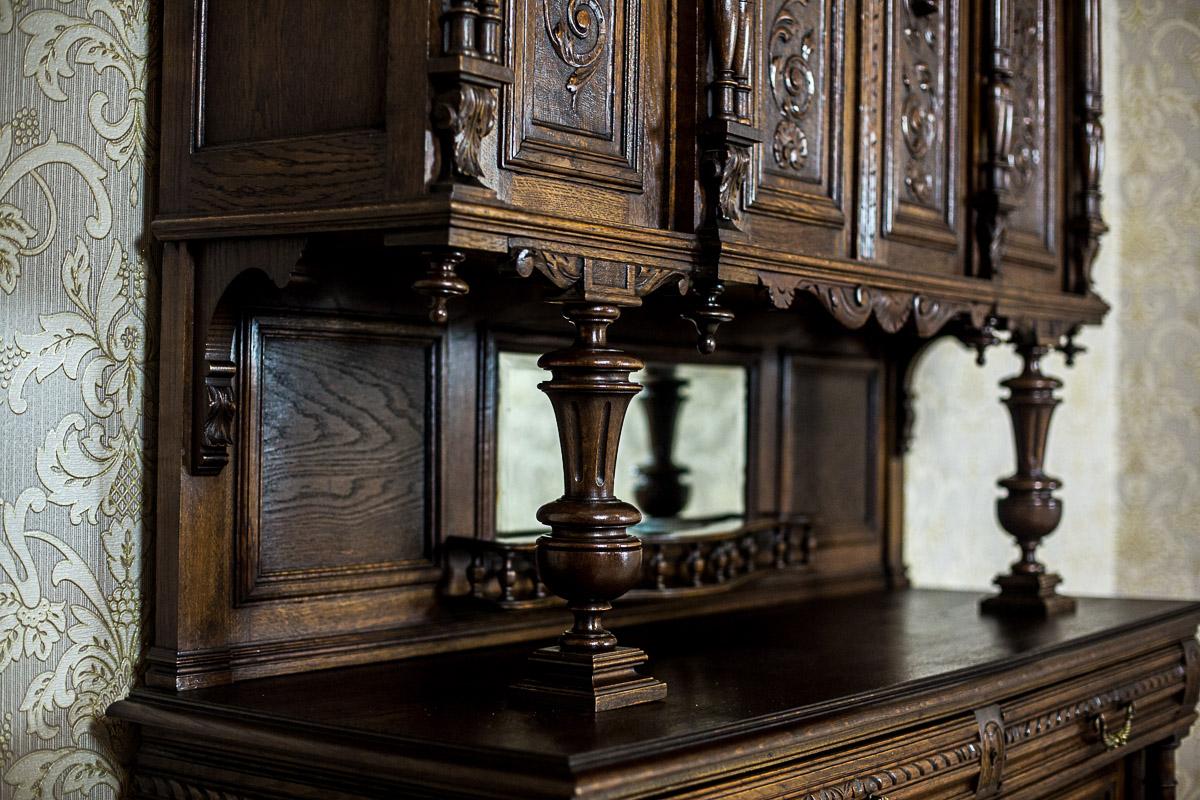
441 282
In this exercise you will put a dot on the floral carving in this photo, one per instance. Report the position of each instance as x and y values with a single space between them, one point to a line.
793 82
578 37
727 167
464 116
920 109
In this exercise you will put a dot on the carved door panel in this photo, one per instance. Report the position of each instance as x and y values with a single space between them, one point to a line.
796 184
917 221
1031 242
588 85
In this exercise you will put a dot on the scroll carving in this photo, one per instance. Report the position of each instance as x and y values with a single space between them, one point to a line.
922 107
1087 223
727 167
578 38
465 80
793 82
596 279
852 306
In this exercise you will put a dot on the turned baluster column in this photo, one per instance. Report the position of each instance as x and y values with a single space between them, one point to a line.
589 559
1029 511
660 491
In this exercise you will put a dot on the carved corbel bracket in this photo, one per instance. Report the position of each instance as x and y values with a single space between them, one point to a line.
224 271
853 305
466 79
594 279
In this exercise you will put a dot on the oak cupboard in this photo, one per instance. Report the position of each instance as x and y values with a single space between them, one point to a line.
364 205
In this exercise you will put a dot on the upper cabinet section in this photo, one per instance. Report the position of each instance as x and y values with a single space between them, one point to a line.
936 152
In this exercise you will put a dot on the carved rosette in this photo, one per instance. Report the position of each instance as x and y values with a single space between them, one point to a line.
793 82
466 79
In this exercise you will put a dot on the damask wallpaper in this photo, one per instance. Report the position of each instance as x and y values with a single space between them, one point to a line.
1126 439
76 267
75 272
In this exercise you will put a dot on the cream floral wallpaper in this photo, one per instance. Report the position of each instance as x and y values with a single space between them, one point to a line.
74 280
1126 440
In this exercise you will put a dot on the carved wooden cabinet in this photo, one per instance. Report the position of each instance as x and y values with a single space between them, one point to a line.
364 205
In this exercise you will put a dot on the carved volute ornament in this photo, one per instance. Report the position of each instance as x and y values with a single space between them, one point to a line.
1030 511
466 79
589 558
660 491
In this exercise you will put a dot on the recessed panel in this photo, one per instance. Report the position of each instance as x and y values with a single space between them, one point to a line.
341 483
575 105
288 68
833 409
797 172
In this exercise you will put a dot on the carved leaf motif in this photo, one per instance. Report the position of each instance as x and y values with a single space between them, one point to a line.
570 36
922 104
1027 48
468 115
892 309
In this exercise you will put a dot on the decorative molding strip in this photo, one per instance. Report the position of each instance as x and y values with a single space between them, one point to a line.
1085 709
854 305
595 279
873 785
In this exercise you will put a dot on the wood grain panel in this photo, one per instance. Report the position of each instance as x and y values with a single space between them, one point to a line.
832 410
339 480
335 55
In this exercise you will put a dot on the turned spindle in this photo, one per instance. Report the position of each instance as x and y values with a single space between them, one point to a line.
660 491
441 282
1029 511
589 559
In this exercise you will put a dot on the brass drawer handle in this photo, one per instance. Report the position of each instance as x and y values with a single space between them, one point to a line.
1120 737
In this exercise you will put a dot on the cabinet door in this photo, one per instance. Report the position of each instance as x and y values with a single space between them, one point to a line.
797 181
588 91
912 214
1032 240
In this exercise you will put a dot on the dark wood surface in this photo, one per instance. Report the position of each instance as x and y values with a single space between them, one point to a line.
726 673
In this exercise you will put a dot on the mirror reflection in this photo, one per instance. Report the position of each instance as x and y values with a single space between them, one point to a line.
682 454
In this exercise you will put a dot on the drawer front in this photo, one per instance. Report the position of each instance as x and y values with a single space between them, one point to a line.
1060 733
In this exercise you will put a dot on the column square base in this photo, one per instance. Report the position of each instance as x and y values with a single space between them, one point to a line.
587 681
1027 595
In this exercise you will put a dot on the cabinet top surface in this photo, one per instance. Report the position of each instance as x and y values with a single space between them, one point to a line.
783 668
